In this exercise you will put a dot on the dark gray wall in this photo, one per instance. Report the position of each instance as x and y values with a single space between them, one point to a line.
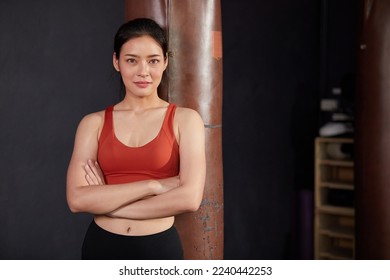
55 66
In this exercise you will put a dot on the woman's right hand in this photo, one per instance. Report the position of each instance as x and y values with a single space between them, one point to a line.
93 174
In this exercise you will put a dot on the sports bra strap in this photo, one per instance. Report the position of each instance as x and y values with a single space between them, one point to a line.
168 122
107 125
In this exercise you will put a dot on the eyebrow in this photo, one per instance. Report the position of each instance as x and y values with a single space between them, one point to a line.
137 56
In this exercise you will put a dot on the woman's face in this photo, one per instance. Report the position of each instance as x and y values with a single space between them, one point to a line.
141 64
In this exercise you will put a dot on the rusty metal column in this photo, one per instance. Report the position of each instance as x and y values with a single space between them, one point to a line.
373 133
195 81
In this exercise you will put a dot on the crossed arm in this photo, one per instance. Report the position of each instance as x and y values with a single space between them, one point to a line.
149 199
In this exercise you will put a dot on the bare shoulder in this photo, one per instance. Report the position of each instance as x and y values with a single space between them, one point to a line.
92 121
187 116
190 129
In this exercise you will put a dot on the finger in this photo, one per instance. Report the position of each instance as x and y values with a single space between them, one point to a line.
99 173
91 174
92 166
97 165
95 168
89 180
95 172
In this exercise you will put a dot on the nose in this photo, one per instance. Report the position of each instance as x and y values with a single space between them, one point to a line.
143 70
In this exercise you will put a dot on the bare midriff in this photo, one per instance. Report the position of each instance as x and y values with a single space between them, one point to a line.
134 227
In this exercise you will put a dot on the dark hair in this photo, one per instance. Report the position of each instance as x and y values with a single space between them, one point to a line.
140 27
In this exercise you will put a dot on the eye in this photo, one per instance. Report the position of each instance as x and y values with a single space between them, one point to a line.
131 60
154 61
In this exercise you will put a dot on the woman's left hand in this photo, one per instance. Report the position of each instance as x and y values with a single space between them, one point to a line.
94 174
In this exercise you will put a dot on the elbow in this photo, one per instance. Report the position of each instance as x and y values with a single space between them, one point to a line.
195 200
74 203
193 207
193 204
74 209
80 204
73 206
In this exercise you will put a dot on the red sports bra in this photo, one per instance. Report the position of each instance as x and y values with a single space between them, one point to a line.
123 164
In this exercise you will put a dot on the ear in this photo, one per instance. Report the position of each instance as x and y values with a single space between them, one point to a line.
166 62
115 62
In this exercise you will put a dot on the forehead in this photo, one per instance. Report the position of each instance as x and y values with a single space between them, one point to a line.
141 45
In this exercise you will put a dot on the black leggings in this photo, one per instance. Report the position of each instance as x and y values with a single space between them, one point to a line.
100 244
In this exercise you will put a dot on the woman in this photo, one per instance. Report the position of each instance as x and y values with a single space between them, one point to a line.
138 163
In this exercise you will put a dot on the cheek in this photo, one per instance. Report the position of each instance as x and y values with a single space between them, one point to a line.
126 71
157 72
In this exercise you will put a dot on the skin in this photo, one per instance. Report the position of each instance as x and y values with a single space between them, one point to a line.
143 207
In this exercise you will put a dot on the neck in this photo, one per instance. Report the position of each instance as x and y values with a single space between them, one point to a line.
135 103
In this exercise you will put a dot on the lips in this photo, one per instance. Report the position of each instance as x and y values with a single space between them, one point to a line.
142 84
